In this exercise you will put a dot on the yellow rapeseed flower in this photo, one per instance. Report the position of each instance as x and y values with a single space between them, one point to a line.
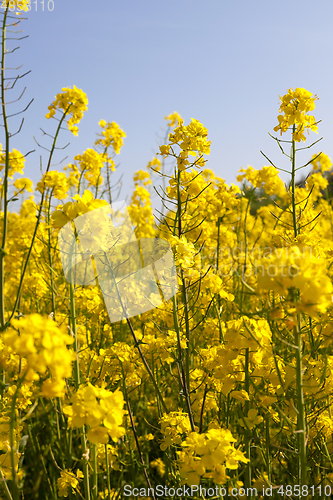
295 105
72 101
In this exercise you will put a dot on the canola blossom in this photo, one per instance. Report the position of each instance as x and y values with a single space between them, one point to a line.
72 102
295 106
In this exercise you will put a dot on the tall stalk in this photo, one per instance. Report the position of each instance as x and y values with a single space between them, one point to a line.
77 384
5 181
13 447
301 419
247 437
184 371
50 257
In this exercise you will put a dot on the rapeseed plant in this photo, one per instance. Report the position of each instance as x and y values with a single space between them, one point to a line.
229 382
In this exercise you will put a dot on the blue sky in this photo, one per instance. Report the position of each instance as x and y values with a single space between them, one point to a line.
223 63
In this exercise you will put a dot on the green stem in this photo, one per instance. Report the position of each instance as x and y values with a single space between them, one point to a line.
301 421
247 438
94 489
187 330
108 180
15 490
268 457
184 372
183 289
107 472
293 175
77 384
74 330
50 257
5 181
301 418
180 363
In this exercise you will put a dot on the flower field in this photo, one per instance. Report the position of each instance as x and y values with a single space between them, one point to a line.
183 352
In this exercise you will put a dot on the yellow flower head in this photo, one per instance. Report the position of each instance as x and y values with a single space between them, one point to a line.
102 410
57 182
321 162
71 210
16 162
112 135
267 178
295 105
292 268
23 184
209 455
43 344
72 102
192 141
155 163
174 119
91 163
68 480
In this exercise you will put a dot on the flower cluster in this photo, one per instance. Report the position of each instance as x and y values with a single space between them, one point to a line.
57 182
68 481
295 105
16 162
192 140
112 136
266 177
71 210
294 268
185 253
43 344
321 162
155 164
209 455
174 119
91 164
142 176
102 410
141 212
173 426
72 102
22 185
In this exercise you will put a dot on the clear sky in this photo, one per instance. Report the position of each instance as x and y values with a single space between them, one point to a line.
224 63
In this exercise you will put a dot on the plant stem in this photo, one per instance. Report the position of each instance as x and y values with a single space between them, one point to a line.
50 258
94 489
77 384
268 456
184 373
247 438
15 490
107 472
301 418
293 173
5 181
180 364
136 437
